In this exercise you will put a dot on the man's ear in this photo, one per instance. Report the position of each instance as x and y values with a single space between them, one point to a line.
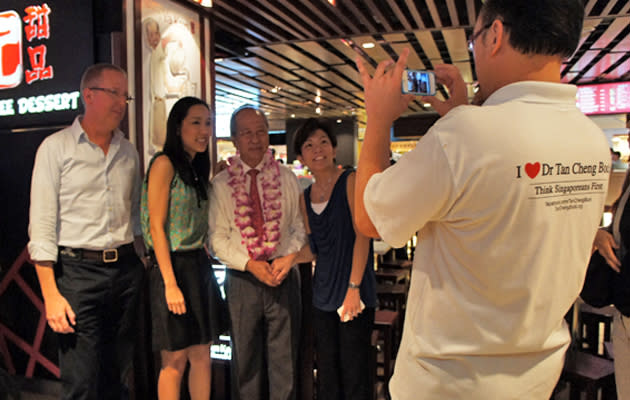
497 36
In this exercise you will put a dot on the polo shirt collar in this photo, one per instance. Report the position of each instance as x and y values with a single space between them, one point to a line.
534 92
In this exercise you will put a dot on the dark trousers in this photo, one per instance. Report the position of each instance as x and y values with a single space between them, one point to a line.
342 355
265 333
95 358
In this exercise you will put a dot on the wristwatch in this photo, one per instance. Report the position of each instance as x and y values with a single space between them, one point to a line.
353 285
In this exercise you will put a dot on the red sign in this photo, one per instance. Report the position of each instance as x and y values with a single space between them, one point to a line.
604 98
37 22
37 27
10 50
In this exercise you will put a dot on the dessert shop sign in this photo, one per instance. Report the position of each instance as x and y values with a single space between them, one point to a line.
44 48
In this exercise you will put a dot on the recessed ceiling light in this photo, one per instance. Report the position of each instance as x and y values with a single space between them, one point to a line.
204 3
368 45
318 110
318 99
338 121
292 115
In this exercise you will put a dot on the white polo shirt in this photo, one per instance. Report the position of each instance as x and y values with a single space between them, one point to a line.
506 198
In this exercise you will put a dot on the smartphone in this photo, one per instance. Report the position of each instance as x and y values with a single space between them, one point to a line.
418 82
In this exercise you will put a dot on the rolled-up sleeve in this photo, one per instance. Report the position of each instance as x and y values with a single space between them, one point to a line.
44 208
410 193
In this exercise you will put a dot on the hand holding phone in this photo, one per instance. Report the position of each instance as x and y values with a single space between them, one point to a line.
418 82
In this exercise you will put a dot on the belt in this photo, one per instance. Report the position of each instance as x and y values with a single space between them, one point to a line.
105 256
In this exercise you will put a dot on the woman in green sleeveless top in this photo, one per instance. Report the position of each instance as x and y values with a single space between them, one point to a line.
183 289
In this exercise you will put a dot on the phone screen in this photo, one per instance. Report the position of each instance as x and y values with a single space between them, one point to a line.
418 82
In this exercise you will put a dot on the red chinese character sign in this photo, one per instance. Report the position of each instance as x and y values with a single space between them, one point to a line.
37 56
38 25
10 50
39 85
37 28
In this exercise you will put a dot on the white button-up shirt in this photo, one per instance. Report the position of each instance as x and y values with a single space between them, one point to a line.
225 236
82 197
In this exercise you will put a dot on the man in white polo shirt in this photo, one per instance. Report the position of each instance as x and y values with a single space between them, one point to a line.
506 198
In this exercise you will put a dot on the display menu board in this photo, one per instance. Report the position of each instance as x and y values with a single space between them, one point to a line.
605 98
44 48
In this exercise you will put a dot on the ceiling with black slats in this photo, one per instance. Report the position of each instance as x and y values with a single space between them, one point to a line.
296 58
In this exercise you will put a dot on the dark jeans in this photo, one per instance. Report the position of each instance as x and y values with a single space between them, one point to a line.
104 296
343 355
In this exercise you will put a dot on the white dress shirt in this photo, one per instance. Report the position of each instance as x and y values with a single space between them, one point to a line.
225 236
82 198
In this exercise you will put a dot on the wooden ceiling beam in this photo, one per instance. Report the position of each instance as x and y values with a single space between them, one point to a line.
435 15
359 14
452 10
399 14
315 27
287 18
472 13
413 9
249 22
379 15
322 16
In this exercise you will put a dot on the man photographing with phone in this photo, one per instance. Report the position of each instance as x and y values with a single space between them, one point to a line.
502 249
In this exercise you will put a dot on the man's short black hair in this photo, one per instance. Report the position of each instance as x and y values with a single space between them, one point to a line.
546 27
306 130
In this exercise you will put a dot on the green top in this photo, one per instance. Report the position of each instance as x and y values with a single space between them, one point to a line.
187 220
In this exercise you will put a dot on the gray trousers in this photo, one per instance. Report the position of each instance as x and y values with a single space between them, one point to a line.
265 335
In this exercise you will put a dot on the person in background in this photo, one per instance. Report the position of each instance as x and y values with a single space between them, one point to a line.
615 254
256 229
617 162
85 239
504 241
175 227
344 286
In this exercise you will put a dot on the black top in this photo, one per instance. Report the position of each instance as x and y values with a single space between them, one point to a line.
332 240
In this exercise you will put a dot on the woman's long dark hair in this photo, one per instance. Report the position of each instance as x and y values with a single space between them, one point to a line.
193 173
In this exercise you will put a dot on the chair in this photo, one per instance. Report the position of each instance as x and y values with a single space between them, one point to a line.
392 297
592 321
588 373
386 323
392 276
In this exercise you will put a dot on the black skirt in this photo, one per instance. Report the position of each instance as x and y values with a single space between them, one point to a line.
205 317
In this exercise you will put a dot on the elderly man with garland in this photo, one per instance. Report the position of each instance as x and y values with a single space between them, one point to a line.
259 241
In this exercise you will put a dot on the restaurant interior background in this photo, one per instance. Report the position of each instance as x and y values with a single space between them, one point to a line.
294 59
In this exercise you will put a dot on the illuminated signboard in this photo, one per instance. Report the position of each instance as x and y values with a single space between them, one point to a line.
604 98
44 48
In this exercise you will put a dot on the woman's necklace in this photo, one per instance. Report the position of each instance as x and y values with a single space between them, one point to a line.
324 188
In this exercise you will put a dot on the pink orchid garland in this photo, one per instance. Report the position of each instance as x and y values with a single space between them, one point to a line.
259 248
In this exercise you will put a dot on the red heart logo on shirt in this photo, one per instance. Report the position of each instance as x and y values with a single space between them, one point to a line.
532 169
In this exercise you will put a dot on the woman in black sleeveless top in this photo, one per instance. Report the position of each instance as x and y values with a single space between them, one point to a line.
344 288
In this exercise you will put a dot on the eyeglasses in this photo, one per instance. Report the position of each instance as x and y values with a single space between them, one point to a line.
114 93
471 39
